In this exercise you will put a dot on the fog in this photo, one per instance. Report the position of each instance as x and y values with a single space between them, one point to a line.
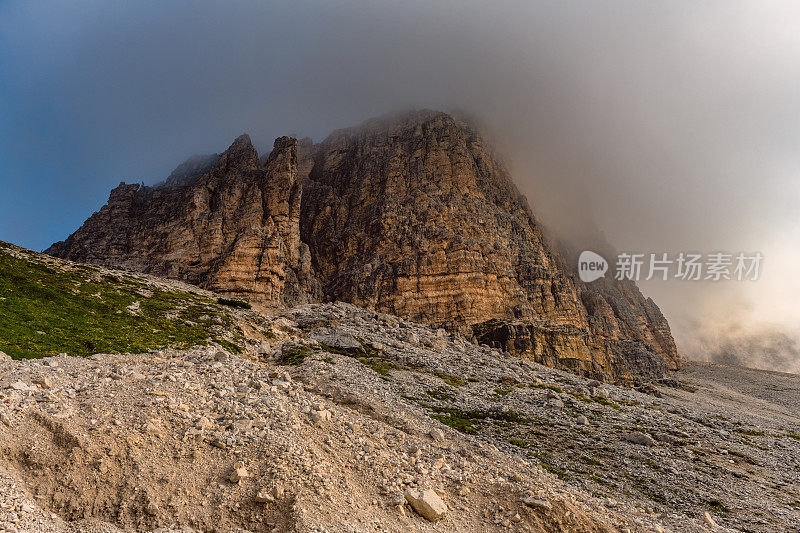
669 126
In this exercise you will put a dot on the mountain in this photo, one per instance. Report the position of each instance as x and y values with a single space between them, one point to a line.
411 215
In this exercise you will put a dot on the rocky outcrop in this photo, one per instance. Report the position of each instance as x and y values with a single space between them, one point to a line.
412 215
233 228
417 217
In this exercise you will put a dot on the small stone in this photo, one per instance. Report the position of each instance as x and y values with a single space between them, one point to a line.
44 383
5 419
637 437
18 386
708 520
537 503
4 357
427 504
203 423
337 340
555 403
581 420
239 473
263 496
318 417
437 434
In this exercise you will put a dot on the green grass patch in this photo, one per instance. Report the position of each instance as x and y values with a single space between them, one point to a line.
464 425
469 421
518 442
234 302
47 309
560 474
296 356
502 392
742 456
450 379
372 358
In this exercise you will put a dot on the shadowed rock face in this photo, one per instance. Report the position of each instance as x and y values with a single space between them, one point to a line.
412 216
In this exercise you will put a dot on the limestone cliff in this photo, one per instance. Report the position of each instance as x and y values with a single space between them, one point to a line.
412 215
417 217
231 226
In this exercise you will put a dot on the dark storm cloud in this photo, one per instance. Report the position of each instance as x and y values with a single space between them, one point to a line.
672 126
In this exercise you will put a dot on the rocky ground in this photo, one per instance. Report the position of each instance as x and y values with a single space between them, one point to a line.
335 418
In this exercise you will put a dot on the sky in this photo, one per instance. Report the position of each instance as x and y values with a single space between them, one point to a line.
669 125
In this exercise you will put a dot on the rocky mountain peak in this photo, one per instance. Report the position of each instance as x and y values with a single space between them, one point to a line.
412 215
240 155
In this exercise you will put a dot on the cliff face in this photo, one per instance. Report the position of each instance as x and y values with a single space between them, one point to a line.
416 217
412 216
231 226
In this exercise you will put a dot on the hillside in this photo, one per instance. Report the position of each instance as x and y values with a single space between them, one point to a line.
338 418
51 307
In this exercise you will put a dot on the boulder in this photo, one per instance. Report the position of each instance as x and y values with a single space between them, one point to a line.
427 504
337 340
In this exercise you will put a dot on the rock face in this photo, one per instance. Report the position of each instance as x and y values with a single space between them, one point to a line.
228 223
416 217
412 216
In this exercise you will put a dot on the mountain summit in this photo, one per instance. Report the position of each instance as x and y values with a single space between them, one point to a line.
412 216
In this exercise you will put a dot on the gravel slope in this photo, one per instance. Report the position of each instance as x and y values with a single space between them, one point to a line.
334 418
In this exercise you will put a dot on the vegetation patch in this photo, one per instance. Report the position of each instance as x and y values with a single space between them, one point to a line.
234 302
742 456
47 309
468 421
749 432
560 474
296 356
441 394
544 386
502 392
717 506
450 379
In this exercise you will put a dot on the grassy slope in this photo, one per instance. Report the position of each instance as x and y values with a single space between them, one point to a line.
49 306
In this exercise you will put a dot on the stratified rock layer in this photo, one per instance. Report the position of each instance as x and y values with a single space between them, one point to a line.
416 217
413 216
